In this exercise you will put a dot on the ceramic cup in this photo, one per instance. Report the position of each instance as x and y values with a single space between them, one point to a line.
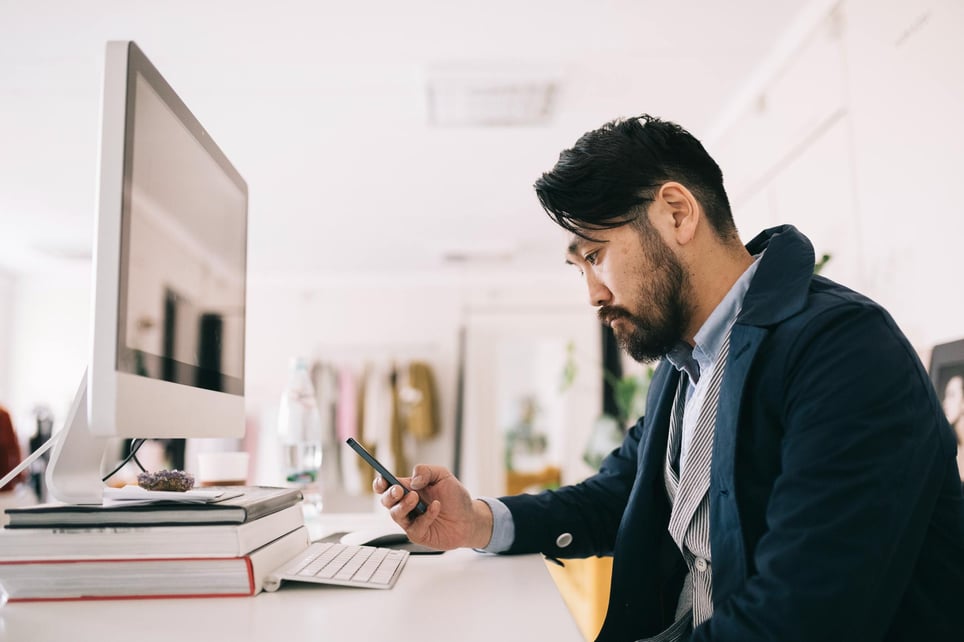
222 469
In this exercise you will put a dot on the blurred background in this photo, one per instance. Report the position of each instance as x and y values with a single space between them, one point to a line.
390 150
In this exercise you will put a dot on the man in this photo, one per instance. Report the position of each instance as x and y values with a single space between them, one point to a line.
793 478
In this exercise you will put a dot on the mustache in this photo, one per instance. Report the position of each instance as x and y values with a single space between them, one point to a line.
609 313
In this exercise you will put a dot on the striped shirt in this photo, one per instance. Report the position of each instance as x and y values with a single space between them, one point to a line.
691 436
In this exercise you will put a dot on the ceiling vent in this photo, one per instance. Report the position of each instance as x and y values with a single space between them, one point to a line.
488 96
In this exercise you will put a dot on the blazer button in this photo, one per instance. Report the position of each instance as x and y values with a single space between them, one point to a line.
564 540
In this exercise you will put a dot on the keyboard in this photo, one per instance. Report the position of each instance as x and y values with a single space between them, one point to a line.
343 565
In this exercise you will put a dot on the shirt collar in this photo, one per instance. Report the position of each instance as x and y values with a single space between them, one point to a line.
709 338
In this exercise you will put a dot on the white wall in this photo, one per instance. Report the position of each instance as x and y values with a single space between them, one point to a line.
852 132
6 312
907 70
49 338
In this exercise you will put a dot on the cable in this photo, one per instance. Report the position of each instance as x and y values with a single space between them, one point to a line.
135 446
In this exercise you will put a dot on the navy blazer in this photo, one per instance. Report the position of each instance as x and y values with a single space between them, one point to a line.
836 510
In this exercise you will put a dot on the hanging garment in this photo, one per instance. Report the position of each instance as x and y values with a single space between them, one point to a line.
419 402
324 377
396 428
347 426
365 472
378 415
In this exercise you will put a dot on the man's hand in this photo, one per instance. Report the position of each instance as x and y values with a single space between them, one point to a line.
453 518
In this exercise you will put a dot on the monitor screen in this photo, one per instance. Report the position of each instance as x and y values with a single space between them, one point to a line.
182 273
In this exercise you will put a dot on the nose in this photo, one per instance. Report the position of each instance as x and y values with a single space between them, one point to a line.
599 294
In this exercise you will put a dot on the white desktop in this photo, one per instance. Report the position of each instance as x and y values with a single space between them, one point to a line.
461 596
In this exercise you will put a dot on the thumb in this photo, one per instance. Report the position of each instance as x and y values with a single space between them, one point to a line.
424 475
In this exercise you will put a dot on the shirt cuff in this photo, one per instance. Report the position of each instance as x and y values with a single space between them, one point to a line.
503 528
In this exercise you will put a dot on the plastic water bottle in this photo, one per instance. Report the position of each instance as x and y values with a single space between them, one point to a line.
299 430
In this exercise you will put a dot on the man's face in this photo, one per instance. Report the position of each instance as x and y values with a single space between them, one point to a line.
953 398
639 286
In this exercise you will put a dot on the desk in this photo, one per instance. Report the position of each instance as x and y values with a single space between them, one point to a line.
459 595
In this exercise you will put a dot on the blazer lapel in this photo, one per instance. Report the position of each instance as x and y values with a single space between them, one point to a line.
744 341
652 447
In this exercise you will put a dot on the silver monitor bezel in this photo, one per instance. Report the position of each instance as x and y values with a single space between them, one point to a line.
122 404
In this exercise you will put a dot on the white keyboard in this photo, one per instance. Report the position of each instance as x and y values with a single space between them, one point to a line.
344 565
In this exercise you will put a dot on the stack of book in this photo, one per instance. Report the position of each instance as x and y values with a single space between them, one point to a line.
165 549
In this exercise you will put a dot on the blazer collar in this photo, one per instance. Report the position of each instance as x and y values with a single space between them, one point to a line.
781 284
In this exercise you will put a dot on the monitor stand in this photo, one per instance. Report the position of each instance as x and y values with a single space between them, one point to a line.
74 473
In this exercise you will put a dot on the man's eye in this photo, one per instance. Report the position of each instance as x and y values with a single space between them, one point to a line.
591 257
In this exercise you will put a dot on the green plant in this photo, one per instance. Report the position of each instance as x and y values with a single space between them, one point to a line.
629 390
821 263
629 393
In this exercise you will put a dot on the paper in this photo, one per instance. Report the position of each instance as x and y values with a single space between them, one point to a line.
131 494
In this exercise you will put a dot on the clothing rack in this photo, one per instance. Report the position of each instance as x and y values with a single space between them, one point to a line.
341 352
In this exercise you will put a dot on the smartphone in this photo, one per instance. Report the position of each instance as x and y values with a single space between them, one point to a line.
419 509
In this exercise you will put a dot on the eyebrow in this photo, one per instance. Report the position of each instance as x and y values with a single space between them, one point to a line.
573 249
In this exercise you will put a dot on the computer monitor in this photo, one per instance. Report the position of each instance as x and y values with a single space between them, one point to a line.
170 257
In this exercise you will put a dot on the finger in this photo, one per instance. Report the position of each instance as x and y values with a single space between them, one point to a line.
379 485
424 475
391 496
418 530
403 505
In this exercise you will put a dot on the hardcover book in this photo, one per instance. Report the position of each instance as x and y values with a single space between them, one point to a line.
241 505
203 540
114 578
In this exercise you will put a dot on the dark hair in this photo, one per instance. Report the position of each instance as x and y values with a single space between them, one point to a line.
611 173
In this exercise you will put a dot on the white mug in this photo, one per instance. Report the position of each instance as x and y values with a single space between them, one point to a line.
222 468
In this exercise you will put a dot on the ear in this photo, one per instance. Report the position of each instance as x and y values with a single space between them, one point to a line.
681 205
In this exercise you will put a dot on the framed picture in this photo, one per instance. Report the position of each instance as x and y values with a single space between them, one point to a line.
947 373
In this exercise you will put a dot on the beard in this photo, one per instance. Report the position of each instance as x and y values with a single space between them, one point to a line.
664 287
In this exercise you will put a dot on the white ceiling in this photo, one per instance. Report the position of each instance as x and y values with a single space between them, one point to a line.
322 107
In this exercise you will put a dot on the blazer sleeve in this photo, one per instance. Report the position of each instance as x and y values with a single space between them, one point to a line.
589 511
863 458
